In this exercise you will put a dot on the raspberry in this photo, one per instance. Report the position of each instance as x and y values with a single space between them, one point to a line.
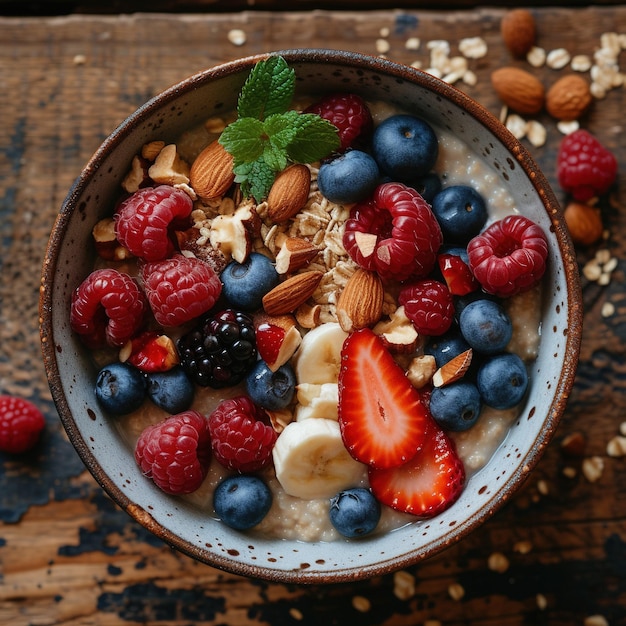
394 234
349 113
143 221
585 168
108 307
508 257
176 452
180 289
429 305
220 351
241 437
21 423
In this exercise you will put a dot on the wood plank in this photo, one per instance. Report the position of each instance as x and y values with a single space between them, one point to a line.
69 556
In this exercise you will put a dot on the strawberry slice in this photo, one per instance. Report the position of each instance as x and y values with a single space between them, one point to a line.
381 415
428 484
457 274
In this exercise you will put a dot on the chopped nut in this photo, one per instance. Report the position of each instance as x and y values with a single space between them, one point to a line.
361 604
497 562
622 428
308 316
453 370
296 613
574 444
150 151
136 176
169 168
421 370
403 585
570 472
593 468
566 128
542 487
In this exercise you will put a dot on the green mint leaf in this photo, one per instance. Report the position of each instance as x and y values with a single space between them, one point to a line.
244 139
256 178
315 138
268 89
279 130
275 158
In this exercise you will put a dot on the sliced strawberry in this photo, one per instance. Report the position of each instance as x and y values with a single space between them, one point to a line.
277 338
428 484
151 352
381 415
457 274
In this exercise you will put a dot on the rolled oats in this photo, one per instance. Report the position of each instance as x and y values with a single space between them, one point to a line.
567 128
382 46
616 447
456 591
237 37
473 47
361 604
536 56
596 620
517 125
593 468
403 585
497 562
558 58
542 601
536 133
412 43
523 547
581 63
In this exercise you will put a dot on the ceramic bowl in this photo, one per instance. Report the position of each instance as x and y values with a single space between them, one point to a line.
71 374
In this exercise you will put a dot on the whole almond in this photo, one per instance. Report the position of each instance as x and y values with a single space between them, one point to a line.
289 192
287 296
361 302
212 173
568 98
518 31
518 89
584 223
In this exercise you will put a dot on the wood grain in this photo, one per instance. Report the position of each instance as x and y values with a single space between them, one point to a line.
69 556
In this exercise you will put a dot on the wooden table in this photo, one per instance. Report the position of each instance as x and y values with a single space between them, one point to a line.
69 556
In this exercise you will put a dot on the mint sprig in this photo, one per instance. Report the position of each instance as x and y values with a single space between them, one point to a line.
267 135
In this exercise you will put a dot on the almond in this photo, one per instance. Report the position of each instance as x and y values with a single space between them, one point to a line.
291 293
453 370
289 192
584 223
518 32
294 254
212 173
518 89
568 98
361 302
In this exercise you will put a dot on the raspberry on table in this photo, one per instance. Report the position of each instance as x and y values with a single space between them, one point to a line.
242 438
429 305
107 308
21 423
180 289
509 256
585 168
176 452
349 113
395 233
220 351
144 220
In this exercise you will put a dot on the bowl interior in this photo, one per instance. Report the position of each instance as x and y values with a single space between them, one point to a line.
71 375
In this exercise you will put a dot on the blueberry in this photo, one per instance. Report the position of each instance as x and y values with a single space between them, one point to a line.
349 178
120 388
246 283
456 406
354 512
486 326
242 501
172 391
461 212
405 147
271 390
446 347
502 381
427 186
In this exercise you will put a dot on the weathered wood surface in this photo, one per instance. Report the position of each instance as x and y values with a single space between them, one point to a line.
69 556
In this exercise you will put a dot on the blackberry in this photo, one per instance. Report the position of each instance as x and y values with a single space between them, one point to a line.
220 351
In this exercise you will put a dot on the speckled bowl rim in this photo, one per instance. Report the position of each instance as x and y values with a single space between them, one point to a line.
355 61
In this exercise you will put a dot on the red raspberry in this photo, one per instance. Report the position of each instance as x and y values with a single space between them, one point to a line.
108 307
429 305
394 234
349 113
509 256
143 221
585 168
241 436
21 423
180 289
176 453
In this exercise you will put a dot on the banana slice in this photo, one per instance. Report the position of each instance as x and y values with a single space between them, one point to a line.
317 401
311 461
318 358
